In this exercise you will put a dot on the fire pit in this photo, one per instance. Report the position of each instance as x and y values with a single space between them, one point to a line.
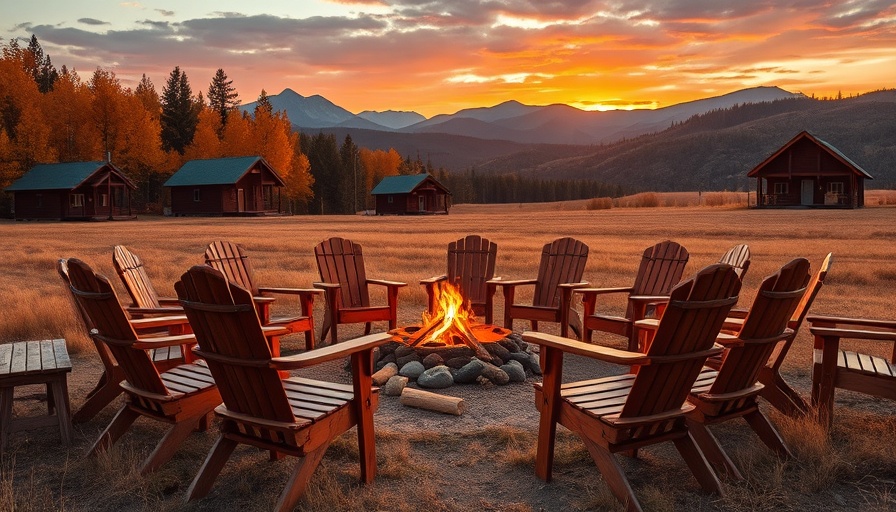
450 346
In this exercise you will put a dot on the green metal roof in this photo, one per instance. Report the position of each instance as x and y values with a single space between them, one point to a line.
216 171
400 184
65 176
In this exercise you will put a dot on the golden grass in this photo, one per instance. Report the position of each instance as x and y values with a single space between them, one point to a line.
858 457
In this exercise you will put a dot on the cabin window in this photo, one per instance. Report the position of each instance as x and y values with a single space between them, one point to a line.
835 187
39 200
196 195
76 200
104 199
781 188
389 199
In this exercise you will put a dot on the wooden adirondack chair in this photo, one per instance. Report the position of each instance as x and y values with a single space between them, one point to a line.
107 388
835 367
776 390
739 258
626 412
471 265
732 390
146 301
295 416
661 268
183 396
232 260
560 272
345 285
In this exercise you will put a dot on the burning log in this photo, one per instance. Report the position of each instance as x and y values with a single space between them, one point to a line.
412 397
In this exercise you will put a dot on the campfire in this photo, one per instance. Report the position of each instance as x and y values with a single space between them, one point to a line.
452 323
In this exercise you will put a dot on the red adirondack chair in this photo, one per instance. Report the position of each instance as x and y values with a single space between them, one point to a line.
345 284
471 265
559 273
183 396
661 268
295 416
626 412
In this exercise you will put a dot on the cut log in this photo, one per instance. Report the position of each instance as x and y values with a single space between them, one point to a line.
412 397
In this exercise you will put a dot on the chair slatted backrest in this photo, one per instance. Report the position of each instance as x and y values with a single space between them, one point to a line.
688 329
101 348
341 261
739 258
96 295
133 274
777 298
232 343
661 268
471 263
802 309
233 262
562 261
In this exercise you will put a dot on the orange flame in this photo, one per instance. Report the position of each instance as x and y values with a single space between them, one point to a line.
452 312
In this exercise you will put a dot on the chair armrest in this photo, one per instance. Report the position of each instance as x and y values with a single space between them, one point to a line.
648 299
164 341
512 282
274 330
859 323
159 321
601 291
156 311
574 286
433 280
607 354
263 300
855 334
330 352
383 282
169 301
291 291
326 286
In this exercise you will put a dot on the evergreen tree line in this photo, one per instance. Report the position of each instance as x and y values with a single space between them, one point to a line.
470 187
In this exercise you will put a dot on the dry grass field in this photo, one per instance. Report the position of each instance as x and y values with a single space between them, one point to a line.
852 467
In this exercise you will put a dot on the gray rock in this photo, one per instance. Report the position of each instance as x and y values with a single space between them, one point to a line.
403 360
437 377
395 385
515 370
469 372
452 352
403 350
521 357
384 374
510 345
389 348
412 370
495 374
535 364
432 360
458 362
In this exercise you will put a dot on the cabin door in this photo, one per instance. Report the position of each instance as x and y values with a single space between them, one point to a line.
807 192
421 203
240 200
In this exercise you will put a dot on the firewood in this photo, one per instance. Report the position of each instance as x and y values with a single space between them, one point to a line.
413 397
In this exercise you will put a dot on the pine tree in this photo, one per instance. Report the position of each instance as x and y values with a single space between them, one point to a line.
179 112
146 91
222 96
263 103
39 66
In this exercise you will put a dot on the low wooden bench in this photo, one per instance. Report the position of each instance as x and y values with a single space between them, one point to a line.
835 367
35 362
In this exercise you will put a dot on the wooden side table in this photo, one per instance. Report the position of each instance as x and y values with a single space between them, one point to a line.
35 362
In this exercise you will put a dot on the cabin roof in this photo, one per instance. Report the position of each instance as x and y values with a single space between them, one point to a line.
826 146
403 184
217 171
63 176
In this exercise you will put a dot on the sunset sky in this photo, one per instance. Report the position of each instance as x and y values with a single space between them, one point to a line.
441 56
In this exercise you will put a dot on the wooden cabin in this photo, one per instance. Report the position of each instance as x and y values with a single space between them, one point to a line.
226 186
414 194
73 191
810 172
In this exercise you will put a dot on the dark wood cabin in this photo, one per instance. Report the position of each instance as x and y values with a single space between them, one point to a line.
226 186
73 191
415 194
810 172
